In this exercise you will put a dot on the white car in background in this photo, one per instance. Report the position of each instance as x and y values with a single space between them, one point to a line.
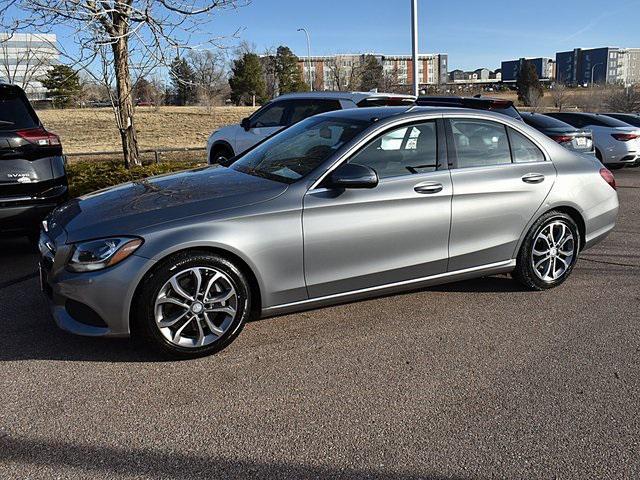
617 143
285 110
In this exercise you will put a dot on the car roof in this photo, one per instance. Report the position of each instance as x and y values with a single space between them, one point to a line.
380 113
355 97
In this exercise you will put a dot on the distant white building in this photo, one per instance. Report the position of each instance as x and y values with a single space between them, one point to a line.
629 64
25 59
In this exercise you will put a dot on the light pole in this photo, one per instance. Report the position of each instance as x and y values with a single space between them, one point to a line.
308 56
414 45
592 69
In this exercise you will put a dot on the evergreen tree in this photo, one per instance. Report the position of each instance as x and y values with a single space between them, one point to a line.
63 85
371 74
528 84
288 72
247 80
183 82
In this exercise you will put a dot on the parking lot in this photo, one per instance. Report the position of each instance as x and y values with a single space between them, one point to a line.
467 380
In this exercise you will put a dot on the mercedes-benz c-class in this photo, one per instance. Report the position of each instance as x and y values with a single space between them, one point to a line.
341 206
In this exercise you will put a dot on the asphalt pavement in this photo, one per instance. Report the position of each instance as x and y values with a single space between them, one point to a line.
477 379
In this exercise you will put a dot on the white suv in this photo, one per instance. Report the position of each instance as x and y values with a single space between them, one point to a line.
286 110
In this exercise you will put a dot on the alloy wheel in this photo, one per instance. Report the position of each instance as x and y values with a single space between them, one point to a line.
553 251
196 306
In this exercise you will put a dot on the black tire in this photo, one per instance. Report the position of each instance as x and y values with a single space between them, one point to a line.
144 327
599 155
525 272
220 155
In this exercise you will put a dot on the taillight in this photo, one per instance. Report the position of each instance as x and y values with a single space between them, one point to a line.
39 136
608 177
562 138
625 137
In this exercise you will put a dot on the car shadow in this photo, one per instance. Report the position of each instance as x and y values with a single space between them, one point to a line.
493 284
29 332
110 462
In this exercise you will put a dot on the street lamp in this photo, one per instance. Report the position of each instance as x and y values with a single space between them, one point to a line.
592 69
308 56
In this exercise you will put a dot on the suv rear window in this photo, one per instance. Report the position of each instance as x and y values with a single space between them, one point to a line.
15 111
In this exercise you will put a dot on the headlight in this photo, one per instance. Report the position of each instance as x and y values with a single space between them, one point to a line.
103 253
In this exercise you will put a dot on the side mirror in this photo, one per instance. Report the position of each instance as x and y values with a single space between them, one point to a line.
352 175
245 123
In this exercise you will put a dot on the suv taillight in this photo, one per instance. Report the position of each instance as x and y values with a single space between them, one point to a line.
624 137
608 177
39 136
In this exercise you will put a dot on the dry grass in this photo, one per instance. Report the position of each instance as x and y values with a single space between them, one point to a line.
93 129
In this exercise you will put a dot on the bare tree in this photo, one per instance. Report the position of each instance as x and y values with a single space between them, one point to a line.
344 72
121 39
210 75
559 95
533 98
269 65
623 99
590 100
22 66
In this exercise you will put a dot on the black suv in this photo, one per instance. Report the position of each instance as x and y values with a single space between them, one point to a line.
499 105
33 180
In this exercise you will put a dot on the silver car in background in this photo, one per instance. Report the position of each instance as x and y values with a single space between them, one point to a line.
617 143
341 206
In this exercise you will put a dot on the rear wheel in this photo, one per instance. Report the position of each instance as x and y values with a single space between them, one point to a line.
193 304
549 252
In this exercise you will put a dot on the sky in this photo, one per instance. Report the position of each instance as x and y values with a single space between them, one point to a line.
474 33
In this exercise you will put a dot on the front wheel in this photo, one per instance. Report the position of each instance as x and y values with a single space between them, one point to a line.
549 252
220 155
193 304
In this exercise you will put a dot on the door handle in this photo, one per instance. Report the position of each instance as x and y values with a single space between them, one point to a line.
428 188
533 178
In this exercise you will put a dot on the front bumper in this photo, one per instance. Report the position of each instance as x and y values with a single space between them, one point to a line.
90 303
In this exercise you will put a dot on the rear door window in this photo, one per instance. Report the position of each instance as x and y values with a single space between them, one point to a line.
523 149
301 109
15 112
479 143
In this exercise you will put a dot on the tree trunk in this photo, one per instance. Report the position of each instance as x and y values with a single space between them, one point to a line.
124 108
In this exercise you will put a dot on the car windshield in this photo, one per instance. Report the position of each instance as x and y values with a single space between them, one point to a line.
298 150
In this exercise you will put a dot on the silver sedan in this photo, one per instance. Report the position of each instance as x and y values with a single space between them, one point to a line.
341 206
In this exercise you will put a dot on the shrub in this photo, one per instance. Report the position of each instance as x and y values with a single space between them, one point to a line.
86 177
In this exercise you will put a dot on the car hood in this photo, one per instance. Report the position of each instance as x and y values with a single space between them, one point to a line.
128 208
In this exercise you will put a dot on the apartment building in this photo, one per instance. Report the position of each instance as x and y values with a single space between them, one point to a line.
593 65
544 66
25 59
341 71
629 63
